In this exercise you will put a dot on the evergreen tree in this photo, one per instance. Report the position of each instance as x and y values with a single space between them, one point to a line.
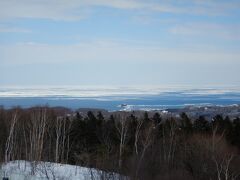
221 124
157 118
235 133
201 124
100 116
145 117
185 123
79 116
91 116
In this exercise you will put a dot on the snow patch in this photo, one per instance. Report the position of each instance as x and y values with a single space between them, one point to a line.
24 170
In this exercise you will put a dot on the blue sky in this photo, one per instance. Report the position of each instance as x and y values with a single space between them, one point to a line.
119 42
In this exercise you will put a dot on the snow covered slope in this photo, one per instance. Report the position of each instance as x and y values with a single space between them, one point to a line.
23 170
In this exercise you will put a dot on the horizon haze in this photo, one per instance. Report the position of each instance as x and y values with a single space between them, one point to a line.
119 43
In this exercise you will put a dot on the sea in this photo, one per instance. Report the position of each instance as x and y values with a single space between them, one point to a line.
119 98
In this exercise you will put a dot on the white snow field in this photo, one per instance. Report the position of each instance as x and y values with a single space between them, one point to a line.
23 170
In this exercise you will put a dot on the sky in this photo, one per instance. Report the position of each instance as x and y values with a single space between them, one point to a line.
119 42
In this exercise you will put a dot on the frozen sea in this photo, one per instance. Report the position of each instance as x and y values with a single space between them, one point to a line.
118 98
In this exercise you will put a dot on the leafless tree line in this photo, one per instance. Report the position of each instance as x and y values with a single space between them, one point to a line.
33 137
136 147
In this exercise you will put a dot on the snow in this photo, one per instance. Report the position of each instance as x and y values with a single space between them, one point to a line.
106 91
24 170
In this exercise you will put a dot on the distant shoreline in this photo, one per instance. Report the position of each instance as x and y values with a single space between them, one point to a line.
193 111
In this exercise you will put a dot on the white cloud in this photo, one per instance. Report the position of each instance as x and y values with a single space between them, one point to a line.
78 9
46 9
67 10
108 51
8 29
227 32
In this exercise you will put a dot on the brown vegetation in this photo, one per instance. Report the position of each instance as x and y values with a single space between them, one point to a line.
140 148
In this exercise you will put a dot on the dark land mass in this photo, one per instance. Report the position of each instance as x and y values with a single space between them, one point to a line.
186 144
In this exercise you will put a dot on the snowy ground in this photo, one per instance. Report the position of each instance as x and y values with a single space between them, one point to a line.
23 170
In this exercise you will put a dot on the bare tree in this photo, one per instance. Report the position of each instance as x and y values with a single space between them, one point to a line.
38 123
169 141
121 125
58 135
10 143
146 139
221 158
137 134
62 145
